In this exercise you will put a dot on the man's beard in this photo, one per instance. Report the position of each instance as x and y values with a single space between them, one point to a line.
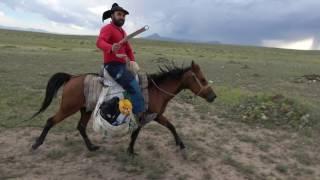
119 22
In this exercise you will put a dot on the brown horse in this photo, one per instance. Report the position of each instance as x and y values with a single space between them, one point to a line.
163 86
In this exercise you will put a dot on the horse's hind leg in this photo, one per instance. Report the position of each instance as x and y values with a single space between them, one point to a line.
44 133
82 125
58 117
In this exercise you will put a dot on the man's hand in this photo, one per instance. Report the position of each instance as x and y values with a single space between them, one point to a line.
116 47
133 67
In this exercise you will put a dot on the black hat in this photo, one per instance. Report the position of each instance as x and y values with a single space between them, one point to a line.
115 7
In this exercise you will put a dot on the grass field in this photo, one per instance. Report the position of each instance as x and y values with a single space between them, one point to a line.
247 133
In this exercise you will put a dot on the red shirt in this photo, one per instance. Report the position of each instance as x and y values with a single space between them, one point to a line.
109 35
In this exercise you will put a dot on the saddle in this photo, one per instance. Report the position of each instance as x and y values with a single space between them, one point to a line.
100 92
93 85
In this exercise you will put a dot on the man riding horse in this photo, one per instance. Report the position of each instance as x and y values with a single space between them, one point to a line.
117 55
162 88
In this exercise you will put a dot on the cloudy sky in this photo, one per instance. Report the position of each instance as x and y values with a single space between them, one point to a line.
291 24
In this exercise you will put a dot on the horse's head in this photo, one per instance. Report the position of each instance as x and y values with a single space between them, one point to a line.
198 84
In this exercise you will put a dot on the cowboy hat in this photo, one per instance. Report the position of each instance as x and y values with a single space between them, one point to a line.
115 7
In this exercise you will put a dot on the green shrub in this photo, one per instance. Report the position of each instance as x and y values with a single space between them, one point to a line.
270 111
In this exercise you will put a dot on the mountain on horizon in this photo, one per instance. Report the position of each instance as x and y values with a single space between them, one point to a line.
157 37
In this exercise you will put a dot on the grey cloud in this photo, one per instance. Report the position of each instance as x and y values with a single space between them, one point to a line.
76 15
229 21
236 21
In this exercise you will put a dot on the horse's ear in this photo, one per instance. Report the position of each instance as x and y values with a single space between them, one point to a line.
194 66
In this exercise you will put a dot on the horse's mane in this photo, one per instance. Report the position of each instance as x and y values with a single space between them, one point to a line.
171 71
167 71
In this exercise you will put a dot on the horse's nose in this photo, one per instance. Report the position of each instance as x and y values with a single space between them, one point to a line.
211 97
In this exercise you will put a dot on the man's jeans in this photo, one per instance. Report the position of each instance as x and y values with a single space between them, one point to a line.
119 72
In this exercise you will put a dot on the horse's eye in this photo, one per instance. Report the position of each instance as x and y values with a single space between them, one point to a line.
203 81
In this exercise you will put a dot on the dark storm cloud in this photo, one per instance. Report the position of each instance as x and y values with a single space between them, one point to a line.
242 21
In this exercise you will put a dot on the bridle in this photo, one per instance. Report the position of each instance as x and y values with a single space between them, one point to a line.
202 88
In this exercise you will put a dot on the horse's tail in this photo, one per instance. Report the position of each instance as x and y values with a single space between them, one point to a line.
54 84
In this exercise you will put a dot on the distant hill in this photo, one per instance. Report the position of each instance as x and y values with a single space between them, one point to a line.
157 37
24 29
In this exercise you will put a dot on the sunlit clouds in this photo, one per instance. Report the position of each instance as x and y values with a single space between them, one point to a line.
304 44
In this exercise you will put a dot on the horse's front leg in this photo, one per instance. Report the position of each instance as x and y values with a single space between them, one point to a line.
134 136
165 122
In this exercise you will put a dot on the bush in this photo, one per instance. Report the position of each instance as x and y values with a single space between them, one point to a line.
272 110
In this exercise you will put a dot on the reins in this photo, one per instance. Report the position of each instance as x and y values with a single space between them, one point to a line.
162 90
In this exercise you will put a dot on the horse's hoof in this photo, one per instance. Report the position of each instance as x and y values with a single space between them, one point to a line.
32 150
93 148
184 154
34 146
132 153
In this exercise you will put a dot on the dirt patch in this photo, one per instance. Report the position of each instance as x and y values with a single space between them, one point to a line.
216 149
